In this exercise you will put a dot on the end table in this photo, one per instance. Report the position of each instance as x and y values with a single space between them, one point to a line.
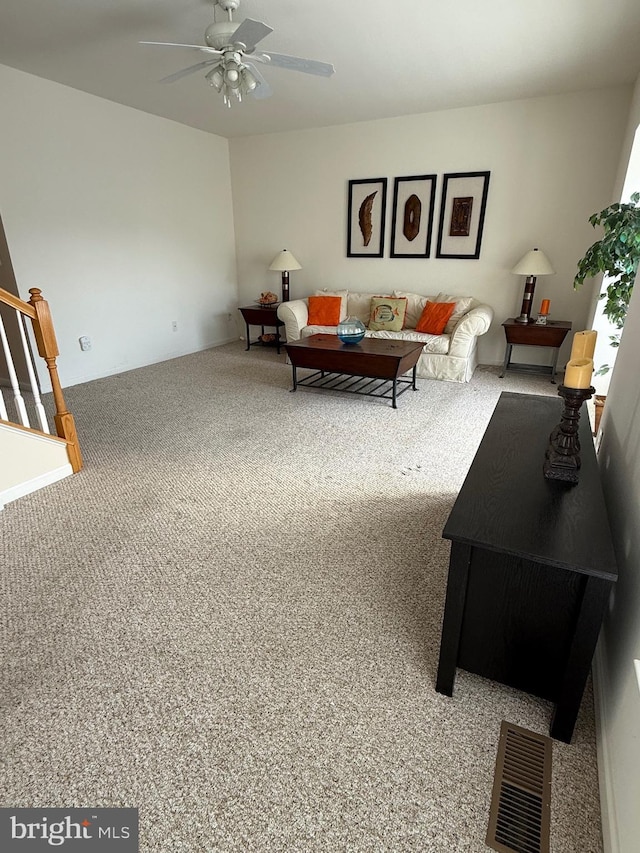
261 315
551 334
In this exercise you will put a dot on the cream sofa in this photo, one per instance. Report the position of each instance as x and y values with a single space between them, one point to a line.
451 356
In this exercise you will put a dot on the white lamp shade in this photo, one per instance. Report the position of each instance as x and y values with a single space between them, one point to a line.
534 262
284 262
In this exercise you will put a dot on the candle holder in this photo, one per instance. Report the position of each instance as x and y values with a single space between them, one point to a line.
562 459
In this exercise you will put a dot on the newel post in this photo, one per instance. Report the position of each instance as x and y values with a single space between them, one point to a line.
48 350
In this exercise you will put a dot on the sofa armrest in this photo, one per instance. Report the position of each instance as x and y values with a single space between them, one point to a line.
474 323
295 316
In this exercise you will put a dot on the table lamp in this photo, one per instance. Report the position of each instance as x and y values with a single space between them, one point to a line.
284 262
534 263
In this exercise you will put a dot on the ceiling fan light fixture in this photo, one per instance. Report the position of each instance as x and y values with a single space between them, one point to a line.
215 78
247 81
232 43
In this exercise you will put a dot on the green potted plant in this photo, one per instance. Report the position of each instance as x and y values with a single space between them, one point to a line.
616 255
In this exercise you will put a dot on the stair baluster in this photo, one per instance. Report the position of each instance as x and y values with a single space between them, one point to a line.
42 415
18 399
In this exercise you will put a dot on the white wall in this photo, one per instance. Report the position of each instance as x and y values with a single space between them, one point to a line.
617 687
123 219
29 462
550 167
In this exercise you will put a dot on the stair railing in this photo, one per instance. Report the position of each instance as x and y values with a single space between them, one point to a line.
37 310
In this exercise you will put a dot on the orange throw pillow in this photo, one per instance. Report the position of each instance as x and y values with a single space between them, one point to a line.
324 310
435 317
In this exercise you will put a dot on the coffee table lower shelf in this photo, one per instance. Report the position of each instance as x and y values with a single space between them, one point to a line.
387 389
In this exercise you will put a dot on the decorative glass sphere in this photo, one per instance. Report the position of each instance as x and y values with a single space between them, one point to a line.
351 330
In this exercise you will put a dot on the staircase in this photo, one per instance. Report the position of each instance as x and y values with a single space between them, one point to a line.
30 456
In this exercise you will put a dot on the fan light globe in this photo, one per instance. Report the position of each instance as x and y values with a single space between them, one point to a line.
249 82
232 77
215 78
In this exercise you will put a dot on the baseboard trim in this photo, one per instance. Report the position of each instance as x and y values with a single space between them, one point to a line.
610 838
80 379
34 484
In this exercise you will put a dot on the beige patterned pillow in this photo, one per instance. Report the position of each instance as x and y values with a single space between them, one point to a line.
463 305
343 294
387 313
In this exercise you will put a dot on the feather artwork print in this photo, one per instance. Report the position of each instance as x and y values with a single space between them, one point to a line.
364 217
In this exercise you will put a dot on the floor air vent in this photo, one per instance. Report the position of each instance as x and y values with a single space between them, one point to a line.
521 799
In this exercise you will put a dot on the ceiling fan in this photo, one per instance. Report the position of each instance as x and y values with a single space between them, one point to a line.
231 51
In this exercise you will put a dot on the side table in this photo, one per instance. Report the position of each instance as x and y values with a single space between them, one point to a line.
552 334
261 315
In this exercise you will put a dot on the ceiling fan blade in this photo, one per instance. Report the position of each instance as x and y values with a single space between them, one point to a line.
201 47
190 70
250 32
263 89
296 63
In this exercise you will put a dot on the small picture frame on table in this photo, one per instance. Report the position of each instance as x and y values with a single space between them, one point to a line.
462 211
366 217
412 224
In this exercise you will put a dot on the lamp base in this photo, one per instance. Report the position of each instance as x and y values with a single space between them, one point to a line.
527 300
285 286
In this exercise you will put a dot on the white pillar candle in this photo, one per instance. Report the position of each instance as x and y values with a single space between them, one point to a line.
584 344
578 373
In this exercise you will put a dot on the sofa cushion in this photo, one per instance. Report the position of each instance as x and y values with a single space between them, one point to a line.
343 294
387 313
359 305
415 306
307 331
432 343
463 306
324 310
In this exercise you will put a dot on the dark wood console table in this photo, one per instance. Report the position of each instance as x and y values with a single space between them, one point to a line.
532 564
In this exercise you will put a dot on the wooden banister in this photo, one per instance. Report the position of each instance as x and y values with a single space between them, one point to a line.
48 349
18 304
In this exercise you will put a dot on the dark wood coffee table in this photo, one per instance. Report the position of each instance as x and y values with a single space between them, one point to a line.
374 367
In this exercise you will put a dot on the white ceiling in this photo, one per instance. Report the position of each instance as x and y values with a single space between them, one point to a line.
418 56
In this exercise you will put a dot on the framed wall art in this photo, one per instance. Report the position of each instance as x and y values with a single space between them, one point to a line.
412 224
366 218
464 201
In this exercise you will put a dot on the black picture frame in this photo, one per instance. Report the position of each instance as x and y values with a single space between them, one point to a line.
471 189
413 194
366 213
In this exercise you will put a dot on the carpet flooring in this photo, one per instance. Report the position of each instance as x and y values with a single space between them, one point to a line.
230 619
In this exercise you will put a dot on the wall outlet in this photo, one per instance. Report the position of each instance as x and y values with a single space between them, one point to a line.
174 326
85 343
